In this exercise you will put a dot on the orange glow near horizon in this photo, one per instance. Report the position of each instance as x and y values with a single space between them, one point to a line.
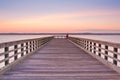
63 22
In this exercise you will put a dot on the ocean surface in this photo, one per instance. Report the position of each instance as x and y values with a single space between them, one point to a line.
9 38
108 38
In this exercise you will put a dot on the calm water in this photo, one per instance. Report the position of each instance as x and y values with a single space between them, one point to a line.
108 38
8 38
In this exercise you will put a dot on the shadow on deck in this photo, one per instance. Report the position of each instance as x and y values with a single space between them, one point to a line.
60 60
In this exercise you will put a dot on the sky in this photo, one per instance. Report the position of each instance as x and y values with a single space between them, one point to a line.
59 15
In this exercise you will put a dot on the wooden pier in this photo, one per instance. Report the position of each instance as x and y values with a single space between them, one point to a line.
60 60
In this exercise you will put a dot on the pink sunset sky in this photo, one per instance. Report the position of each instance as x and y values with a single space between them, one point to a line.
59 15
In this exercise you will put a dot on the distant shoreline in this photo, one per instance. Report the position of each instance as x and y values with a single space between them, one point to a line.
59 33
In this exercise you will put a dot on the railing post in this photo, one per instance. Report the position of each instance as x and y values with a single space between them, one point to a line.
106 52
115 56
15 52
99 53
30 46
6 55
22 49
33 45
87 45
26 47
36 44
84 44
90 46
94 48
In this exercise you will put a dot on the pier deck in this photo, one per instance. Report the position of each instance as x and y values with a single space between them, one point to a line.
60 60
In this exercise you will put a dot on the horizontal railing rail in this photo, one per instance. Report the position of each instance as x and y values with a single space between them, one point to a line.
10 52
106 52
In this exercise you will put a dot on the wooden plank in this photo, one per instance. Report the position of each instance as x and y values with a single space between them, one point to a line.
60 60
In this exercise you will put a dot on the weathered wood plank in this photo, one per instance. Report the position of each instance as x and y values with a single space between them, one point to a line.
61 60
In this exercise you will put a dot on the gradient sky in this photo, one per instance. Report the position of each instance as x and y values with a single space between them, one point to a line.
59 15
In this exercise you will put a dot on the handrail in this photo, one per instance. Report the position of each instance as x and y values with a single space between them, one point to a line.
106 52
10 52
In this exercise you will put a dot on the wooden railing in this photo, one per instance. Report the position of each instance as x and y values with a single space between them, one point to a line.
106 52
11 52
